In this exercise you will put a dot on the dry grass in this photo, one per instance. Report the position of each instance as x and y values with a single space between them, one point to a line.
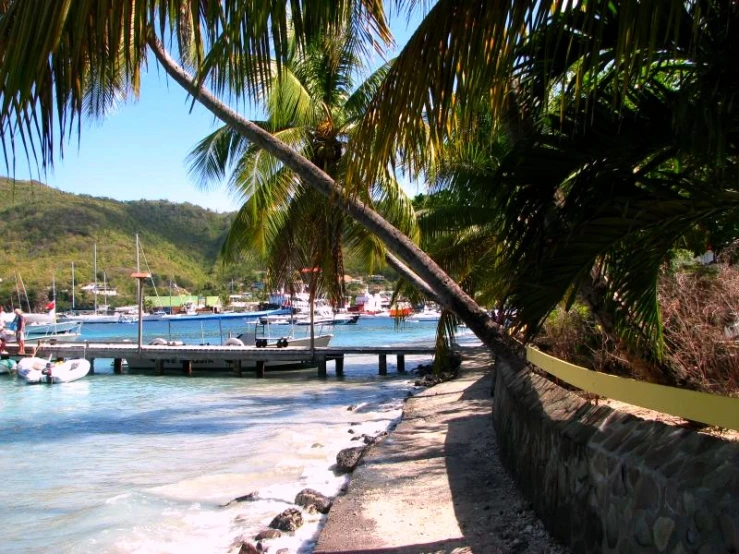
697 307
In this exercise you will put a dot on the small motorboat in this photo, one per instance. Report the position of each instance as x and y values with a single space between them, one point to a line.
39 370
7 365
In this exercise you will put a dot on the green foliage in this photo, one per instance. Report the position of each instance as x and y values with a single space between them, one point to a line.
45 230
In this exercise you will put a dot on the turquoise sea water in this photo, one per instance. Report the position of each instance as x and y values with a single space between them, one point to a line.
142 463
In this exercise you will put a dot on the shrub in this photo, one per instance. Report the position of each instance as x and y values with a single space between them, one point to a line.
698 308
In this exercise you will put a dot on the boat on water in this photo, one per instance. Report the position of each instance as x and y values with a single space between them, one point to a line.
65 331
261 337
229 315
44 327
427 314
328 319
94 317
38 370
7 364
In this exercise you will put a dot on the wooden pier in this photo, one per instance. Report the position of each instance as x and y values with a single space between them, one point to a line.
224 358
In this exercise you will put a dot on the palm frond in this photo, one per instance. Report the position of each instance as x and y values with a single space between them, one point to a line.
55 53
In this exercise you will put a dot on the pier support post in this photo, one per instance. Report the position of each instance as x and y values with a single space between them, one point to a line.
117 366
383 364
339 361
321 366
260 368
92 365
159 367
401 363
187 367
237 367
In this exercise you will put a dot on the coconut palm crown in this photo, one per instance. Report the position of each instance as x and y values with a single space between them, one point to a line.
313 106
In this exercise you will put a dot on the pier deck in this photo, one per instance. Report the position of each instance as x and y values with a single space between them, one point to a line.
237 357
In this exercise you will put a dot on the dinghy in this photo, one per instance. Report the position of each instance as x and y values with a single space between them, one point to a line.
38 370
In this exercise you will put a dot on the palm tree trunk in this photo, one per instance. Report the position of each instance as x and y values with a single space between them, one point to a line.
411 277
447 290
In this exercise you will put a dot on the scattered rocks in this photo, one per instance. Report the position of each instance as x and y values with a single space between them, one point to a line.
348 459
248 548
310 497
289 520
251 497
368 440
431 380
268 534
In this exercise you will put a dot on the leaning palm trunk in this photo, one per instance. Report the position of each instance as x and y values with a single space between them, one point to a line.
446 289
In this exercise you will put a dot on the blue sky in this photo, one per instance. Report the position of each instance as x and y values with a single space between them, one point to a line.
139 151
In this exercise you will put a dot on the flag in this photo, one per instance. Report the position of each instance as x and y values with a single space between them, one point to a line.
51 305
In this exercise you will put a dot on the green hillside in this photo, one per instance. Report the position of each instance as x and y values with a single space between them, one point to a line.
45 230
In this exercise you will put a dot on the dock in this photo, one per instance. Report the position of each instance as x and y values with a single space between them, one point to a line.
235 358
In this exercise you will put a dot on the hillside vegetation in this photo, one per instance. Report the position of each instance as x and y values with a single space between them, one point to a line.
45 230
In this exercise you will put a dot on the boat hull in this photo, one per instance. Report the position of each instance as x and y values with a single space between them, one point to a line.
229 315
37 370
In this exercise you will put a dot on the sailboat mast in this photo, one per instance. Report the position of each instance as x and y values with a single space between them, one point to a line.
25 293
138 263
95 270
73 285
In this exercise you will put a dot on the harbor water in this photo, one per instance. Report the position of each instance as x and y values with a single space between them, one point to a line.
145 464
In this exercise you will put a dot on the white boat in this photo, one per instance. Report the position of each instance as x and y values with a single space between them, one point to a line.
39 370
343 318
428 314
47 332
63 331
93 318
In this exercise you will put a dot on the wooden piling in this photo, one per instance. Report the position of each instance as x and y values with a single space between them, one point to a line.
159 365
117 366
187 367
321 366
383 364
92 365
260 368
237 367
339 361
401 363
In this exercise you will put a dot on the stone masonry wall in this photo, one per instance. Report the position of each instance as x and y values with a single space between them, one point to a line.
605 481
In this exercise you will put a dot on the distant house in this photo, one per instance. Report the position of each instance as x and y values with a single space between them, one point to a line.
211 302
102 290
173 302
239 300
376 278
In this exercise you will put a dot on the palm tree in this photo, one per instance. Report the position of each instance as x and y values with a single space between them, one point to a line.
312 106
92 54
517 54
601 179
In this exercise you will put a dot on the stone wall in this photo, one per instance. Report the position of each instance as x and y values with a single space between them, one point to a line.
604 481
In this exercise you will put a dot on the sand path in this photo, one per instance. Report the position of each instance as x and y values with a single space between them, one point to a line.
435 484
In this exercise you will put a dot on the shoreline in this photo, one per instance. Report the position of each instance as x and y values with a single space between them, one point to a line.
435 482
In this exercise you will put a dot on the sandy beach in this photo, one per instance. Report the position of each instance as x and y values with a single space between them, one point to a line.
435 484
